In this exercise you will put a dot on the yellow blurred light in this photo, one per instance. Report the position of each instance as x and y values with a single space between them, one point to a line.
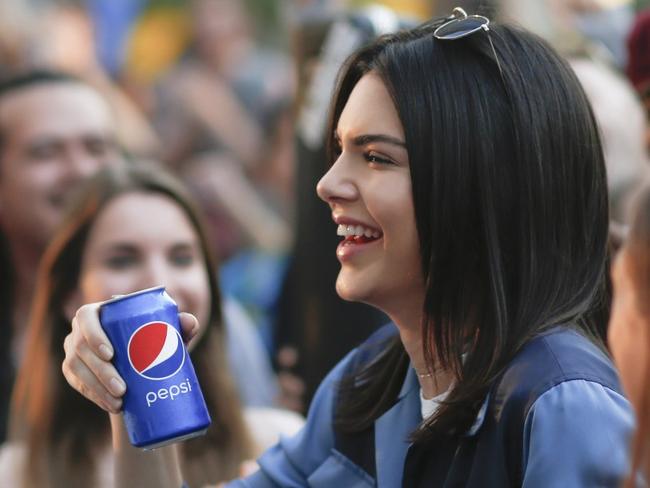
156 42
420 9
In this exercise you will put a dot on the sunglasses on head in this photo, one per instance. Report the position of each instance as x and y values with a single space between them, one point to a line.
459 25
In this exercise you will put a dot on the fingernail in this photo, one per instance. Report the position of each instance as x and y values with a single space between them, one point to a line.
117 386
105 352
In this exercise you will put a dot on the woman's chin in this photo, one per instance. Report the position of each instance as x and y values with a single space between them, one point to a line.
348 291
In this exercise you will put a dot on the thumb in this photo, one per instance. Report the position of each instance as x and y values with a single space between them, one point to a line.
189 325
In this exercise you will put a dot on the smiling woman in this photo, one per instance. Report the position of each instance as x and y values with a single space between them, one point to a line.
369 189
138 240
468 182
133 227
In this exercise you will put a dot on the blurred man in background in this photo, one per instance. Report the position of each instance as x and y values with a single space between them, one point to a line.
55 130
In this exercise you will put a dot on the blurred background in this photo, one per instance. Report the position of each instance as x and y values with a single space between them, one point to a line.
232 96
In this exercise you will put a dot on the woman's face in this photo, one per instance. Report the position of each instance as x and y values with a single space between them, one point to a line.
140 240
368 189
628 330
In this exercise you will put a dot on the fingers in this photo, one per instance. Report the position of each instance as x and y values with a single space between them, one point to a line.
86 365
82 378
86 321
189 325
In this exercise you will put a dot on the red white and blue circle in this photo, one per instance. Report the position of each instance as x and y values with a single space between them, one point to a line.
156 351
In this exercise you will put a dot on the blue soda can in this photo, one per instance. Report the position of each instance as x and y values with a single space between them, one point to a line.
163 402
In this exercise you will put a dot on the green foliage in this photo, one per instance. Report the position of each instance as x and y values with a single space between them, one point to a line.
268 22
641 5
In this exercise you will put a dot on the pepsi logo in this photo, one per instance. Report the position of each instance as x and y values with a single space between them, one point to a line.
156 351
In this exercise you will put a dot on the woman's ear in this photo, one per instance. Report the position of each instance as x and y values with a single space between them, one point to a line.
72 304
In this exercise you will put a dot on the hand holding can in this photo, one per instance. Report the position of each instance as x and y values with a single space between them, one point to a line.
163 402
88 351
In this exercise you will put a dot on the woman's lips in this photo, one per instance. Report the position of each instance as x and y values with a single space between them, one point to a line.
357 236
353 245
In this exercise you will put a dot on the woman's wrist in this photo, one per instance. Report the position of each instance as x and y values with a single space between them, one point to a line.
137 467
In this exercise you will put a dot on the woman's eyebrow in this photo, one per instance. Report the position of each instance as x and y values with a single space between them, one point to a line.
183 245
120 246
364 139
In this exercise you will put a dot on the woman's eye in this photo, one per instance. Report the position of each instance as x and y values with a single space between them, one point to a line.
182 259
120 261
44 152
375 158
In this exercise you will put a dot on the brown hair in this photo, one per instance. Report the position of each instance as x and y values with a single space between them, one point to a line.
637 249
65 434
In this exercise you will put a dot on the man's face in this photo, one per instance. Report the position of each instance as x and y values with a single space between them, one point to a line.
54 135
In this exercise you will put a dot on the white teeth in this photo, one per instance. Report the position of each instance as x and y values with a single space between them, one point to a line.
356 230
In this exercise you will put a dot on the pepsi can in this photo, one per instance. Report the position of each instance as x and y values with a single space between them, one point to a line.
163 402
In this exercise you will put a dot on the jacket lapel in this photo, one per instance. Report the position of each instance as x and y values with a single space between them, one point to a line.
392 430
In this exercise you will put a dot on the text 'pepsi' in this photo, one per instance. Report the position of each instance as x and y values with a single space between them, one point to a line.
168 393
163 402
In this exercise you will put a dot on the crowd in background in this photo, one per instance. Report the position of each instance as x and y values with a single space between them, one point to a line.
231 97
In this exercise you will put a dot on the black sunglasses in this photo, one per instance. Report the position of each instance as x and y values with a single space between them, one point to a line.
459 25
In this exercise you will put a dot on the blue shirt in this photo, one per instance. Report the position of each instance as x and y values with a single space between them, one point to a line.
555 418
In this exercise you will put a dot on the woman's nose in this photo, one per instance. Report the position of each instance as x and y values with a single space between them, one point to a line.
157 273
338 183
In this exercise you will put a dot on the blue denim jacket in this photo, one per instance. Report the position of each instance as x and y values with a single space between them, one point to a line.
555 418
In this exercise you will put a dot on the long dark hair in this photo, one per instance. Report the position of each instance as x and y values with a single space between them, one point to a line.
511 207
65 433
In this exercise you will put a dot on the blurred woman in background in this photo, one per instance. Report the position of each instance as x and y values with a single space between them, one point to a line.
133 227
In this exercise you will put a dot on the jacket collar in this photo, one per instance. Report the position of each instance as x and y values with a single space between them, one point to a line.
392 431
393 428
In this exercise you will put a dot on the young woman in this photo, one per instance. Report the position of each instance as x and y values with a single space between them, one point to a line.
629 331
133 227
468 184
